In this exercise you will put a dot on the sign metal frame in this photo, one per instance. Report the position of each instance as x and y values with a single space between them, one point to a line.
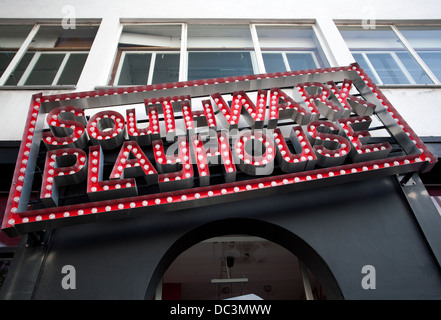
19 219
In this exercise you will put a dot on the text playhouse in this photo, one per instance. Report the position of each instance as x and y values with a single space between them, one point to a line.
266 133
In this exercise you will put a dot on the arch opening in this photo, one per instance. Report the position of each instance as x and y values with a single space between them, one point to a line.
238 266
242 258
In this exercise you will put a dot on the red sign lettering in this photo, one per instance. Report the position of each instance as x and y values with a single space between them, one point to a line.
167 144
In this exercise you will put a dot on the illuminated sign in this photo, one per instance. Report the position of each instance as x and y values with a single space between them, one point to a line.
180 145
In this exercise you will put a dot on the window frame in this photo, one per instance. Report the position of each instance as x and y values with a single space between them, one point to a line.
37 54
255 51
321 45
26 47
285 58
13 52
122 54
406 46
395 58
415 55
253 58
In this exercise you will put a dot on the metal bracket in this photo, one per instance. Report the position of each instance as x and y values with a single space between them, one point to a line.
425 212
38 238
407 180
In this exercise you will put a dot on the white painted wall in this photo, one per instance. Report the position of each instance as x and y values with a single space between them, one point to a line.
418 106
421 108
225 9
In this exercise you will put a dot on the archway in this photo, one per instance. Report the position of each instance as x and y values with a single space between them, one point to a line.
238 266
243 241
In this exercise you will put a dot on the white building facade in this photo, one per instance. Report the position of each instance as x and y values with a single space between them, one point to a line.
61 47
314 36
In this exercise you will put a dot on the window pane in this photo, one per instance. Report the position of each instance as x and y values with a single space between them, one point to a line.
153 36
382 46
289 39
427 43
219 36
422 37
73 68
58 37
11 37
236 60
370 39
16 75
135 69
47 66
166 68
363 64
205 65
417 73
274 62
284 36
45 69
433 61
5 59
301 61
146 39
387 68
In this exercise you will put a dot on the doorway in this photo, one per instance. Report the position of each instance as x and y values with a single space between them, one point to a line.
238 266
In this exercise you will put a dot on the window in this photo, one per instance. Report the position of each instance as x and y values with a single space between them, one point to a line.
55 57
148 54
382 54
426 41
160 53
220 51
289 48
11 39
141 68
215 64
52 68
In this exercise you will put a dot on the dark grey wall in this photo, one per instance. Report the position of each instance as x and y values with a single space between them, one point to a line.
335 230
